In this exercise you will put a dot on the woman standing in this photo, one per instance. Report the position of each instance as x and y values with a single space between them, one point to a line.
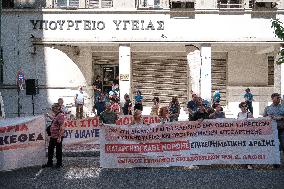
155 107
244 114
57 133
138 101
174 109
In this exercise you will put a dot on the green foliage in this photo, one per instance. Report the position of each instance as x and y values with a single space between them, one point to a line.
279 32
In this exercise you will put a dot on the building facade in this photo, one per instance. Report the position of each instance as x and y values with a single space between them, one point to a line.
161 47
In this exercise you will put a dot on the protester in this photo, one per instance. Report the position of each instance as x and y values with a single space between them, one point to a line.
248 99
201 113
244 114
174 109
138 101
192 107
115 107
79 103
218 113
276 112
127 105
97 84
57 133
137 118
100 105
216 97
60 101
155 106
108 116
164 114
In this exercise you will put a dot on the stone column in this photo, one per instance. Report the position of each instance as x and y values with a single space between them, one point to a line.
194 65
205 83
278 76
124 71
281 75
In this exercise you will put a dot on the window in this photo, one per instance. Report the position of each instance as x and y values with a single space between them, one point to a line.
100 3
230 4
68 3
148 3
176 4
270 61
266 4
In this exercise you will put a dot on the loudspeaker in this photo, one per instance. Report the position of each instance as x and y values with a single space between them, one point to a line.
31 87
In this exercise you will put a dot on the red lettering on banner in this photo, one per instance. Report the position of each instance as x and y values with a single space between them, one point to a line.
16 146
82 123
14 128
95 121
119 121
126 121
146 119
70 123
148 147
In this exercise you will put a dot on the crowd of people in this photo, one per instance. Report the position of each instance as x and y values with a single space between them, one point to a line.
107 107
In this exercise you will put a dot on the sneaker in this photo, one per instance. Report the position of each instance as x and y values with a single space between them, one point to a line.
46 165
249 167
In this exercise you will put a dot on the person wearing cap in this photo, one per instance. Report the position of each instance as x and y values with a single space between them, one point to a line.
276 112
155 107
79 103
57 134
248 99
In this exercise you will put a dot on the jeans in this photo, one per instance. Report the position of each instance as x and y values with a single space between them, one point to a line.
79 111
250 108
52 144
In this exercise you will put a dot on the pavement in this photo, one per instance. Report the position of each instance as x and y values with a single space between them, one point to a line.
82 170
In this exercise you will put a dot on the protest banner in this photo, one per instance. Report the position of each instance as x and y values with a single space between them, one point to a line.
219 141
82 134
127 119
22 142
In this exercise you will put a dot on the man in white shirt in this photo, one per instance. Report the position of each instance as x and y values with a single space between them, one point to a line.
79 103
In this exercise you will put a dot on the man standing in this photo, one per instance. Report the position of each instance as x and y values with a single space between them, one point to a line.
248 99
192 107
79 103
276 112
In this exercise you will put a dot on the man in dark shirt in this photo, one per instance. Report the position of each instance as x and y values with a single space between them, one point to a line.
108 116
192 107
201 113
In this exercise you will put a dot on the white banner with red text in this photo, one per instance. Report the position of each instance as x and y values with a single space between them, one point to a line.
22 142
219 141
83 134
